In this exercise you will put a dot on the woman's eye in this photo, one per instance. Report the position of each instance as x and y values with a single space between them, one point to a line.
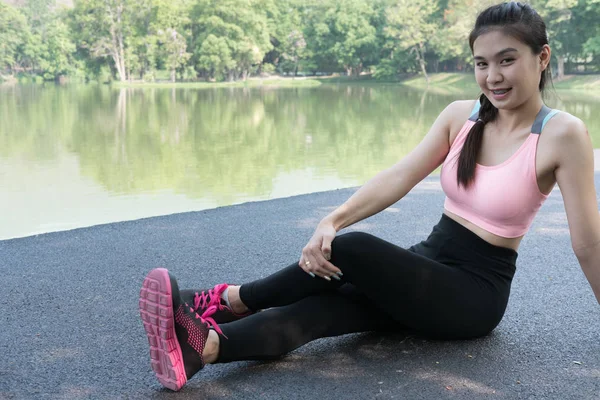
506 60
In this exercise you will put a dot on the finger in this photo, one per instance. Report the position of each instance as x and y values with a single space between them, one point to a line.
303 259
306 266
326 247
314 265
303 256
327 266
326 269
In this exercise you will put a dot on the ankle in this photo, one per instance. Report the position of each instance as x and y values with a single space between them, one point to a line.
211 348
233 295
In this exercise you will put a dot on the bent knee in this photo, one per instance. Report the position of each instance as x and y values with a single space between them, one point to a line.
351 243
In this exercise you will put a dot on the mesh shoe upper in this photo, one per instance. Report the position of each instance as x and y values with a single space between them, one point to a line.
192 334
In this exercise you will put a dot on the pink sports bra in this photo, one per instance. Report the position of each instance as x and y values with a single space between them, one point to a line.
503 199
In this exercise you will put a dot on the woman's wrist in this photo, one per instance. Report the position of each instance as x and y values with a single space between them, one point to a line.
336 218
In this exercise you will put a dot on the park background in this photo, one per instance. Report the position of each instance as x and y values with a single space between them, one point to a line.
115 110
216 40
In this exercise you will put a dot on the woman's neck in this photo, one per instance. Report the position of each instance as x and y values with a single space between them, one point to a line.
521 117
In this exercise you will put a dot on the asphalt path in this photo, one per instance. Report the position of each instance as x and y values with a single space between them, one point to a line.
70 327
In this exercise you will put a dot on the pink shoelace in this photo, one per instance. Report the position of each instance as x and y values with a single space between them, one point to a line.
206 318
212 298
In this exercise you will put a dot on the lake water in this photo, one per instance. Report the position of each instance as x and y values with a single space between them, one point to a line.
74 156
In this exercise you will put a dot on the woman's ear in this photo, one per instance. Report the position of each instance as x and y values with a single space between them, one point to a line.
545 56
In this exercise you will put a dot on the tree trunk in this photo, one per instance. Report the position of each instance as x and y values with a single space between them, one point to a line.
117 51
561 67
119 65
357 70
418 52
173 75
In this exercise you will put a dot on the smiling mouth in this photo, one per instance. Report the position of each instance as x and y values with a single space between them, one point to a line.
501 91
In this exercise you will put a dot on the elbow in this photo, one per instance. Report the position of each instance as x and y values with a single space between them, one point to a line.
587 253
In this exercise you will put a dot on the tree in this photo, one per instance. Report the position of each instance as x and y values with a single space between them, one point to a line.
343 33
411 26
587 14
561 29
170 31
107 29
285 25
57 57
175 48
230 34
215 57
14 36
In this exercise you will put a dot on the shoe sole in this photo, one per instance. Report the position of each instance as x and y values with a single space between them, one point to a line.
156 310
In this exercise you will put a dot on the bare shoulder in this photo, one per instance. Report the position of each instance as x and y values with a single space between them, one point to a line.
461 109
566 136
564 123
458 113
565 127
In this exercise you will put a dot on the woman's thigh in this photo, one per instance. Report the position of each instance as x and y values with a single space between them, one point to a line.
417 291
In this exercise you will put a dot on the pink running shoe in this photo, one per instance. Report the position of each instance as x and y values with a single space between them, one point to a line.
176 333
212 297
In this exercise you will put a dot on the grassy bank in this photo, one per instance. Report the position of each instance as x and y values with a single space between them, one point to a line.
448 80
253 82
579 82
460 81
441 82
444 81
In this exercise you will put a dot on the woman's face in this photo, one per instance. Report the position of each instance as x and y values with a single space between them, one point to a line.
504 63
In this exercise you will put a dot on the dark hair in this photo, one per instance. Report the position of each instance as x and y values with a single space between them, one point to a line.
523 23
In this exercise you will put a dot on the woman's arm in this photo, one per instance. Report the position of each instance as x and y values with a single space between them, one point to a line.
383 190
575 177
392 184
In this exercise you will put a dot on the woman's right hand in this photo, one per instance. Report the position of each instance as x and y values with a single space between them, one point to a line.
317 253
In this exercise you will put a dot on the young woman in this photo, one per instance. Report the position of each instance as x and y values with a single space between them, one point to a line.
501 156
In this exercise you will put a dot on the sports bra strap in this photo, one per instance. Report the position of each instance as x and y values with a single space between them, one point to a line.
540 120
475 112
543 116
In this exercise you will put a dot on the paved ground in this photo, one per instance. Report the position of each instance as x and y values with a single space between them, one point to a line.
70 324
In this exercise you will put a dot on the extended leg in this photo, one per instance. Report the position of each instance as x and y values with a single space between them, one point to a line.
277 331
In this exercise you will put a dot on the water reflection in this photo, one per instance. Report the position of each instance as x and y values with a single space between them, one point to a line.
80 155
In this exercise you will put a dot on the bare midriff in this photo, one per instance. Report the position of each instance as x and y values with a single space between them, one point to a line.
511 243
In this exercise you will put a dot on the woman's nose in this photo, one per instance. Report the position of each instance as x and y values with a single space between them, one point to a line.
494 76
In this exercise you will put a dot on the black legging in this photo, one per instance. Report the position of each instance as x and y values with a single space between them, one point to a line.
454 285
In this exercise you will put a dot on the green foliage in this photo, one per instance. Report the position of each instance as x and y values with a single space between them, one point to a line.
268 68
15 38
228 40
592 46
56 59
411 22
451 42
386 69
232 37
